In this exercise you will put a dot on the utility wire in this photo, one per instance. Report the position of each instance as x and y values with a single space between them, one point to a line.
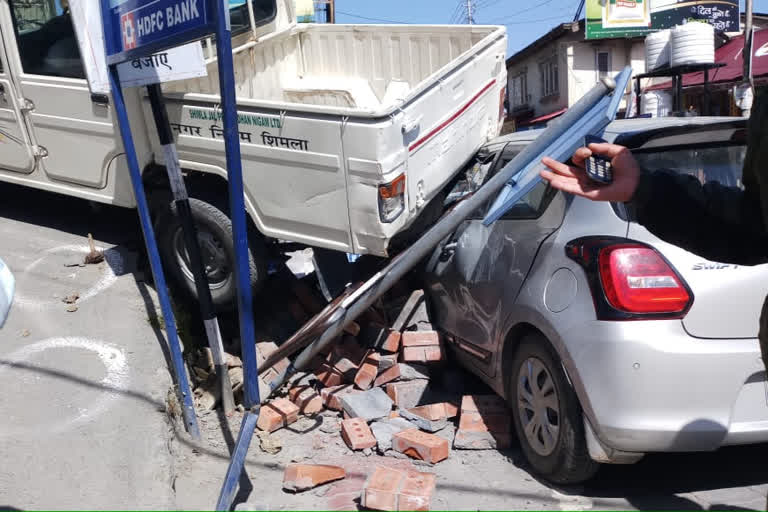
396 22
540 4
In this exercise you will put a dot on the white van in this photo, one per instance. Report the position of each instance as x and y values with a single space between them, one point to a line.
348 132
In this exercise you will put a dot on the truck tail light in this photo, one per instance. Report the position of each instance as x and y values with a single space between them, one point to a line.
392 199
630 280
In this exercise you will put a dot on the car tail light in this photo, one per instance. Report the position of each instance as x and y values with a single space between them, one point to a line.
630 280
392 199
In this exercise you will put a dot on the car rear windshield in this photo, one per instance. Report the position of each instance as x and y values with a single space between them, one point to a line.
722 164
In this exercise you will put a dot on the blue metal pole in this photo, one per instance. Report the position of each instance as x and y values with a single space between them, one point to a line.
242 268
229 489
187 406
237 204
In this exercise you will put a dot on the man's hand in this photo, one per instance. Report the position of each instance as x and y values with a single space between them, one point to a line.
573 179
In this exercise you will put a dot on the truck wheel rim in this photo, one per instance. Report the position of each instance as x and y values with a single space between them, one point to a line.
212 253
538 406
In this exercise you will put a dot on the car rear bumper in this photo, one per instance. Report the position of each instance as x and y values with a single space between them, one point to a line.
650 387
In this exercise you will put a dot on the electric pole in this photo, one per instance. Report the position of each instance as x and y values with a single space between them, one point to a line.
330 11
469 12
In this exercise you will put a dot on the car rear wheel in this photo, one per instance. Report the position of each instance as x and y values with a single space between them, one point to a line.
547 415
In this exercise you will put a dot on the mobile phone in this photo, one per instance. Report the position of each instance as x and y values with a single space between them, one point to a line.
599 168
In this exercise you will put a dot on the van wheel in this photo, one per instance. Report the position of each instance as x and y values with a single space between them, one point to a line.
214 235
547 414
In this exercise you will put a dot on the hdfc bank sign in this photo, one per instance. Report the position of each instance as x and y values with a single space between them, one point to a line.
136 27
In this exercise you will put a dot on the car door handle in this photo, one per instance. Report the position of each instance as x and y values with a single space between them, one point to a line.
100 99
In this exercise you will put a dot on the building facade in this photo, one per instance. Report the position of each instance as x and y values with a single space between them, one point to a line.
554 72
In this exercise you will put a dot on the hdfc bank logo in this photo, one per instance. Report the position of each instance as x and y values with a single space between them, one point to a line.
129 31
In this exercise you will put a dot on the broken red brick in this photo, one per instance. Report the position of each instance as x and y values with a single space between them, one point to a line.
302 477
357 434
485 424
368 371
331 395
407 394
420 445
394 490
392 341
434 412
307 399
387 376
277 414
329 376
420 338
422 347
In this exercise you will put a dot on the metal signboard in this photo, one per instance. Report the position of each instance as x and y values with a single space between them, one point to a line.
138 28
638 18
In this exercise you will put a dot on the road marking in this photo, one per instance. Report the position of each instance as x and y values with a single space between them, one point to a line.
106 391
115 265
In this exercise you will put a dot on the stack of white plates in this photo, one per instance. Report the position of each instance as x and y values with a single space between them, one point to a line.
692 43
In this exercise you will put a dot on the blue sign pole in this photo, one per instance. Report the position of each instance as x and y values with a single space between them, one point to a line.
187 405
242 267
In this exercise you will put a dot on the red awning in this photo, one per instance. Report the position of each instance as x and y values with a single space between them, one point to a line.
730 54
544 118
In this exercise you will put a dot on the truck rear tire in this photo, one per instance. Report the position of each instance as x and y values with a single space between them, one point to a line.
214 234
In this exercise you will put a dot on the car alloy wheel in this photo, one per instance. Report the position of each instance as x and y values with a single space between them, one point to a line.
539 406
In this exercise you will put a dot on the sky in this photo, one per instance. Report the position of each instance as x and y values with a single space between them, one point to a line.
526 20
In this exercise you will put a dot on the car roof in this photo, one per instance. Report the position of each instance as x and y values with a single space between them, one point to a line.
622 127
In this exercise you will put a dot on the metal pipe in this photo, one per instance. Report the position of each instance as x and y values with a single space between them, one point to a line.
748 40
184 211
177 360
365 296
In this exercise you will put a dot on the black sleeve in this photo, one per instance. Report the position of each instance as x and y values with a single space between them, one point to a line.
722 224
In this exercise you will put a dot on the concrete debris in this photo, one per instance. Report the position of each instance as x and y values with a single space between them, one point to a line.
432 418
369 405
393 489
94 256
387 361
330 425
71 299
406 395
233 361
268 443
71 308
331 395
383 430
302 477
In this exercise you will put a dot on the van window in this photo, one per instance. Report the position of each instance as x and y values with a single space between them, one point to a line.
46 38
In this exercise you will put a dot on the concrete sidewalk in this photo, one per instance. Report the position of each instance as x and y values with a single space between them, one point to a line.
82 393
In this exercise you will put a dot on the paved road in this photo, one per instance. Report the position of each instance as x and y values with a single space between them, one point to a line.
81 393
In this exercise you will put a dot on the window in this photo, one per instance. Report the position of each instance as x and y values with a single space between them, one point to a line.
603 64
46 38
550 79
722 164
519 90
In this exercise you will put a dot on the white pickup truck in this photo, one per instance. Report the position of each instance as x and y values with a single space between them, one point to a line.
347 131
